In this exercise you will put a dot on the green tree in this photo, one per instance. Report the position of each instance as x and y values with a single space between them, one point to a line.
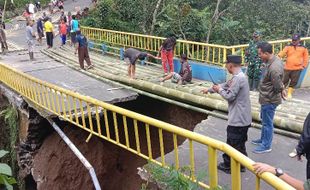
6 178
225 22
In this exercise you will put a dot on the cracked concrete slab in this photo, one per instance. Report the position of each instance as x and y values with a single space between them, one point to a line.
60 75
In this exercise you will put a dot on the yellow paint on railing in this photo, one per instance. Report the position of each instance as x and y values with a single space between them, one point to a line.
212 163
198 51
195 50
34 89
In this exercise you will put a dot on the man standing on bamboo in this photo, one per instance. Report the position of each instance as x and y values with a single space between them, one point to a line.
167 52
253 62
271 92
82 49
296 60
236 92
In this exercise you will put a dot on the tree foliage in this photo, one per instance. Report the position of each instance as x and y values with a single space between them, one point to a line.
228 21
6 178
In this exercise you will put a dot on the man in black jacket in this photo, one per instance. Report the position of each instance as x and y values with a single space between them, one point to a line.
303 147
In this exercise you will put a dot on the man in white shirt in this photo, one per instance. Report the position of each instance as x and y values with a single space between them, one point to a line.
31 8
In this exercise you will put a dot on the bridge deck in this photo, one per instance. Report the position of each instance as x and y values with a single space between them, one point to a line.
216 128
148 76
56 73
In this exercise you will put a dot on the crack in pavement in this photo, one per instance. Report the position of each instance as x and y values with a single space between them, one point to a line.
44 69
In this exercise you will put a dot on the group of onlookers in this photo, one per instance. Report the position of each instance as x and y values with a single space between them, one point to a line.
265 73
296 56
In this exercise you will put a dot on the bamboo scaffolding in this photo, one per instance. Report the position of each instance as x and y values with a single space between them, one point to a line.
188 95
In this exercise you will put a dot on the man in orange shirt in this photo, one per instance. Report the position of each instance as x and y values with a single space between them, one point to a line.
296 60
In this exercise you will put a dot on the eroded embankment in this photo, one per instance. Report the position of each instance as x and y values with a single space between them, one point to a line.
46 162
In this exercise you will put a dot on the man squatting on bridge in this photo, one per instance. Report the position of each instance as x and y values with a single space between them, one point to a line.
185 74
236 92
131 55
271 92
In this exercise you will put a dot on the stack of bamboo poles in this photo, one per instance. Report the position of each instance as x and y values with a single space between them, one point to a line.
289 116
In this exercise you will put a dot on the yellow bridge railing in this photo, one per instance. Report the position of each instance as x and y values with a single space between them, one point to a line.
215 54
129 130
202 52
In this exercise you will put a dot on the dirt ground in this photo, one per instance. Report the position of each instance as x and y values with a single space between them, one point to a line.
56 167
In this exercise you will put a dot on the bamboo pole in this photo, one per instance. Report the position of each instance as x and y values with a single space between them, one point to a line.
288 124
187 106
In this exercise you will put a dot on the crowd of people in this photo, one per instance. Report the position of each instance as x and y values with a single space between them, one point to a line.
68 27
296 55
265 73
271 81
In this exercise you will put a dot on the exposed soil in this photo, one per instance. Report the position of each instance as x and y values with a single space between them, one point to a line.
4 137
56 167
166 112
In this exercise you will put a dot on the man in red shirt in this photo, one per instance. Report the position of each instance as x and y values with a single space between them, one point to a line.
297 59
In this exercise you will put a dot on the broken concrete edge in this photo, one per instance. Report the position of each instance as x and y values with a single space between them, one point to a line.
29 139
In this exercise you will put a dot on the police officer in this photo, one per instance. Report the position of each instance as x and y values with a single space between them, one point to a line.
236 92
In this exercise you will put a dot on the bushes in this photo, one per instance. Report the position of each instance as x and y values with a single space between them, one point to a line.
6 178
190 19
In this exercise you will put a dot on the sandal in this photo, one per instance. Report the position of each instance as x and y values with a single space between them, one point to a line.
90 66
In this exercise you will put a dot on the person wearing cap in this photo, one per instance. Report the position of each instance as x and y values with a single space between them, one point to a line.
185 74
131 55
297 59
253 62
82 48
236 92
271 91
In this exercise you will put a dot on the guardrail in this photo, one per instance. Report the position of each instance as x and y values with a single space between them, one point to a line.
277 46
202 52
124 128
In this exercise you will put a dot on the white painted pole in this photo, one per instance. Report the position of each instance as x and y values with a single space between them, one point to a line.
78 154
